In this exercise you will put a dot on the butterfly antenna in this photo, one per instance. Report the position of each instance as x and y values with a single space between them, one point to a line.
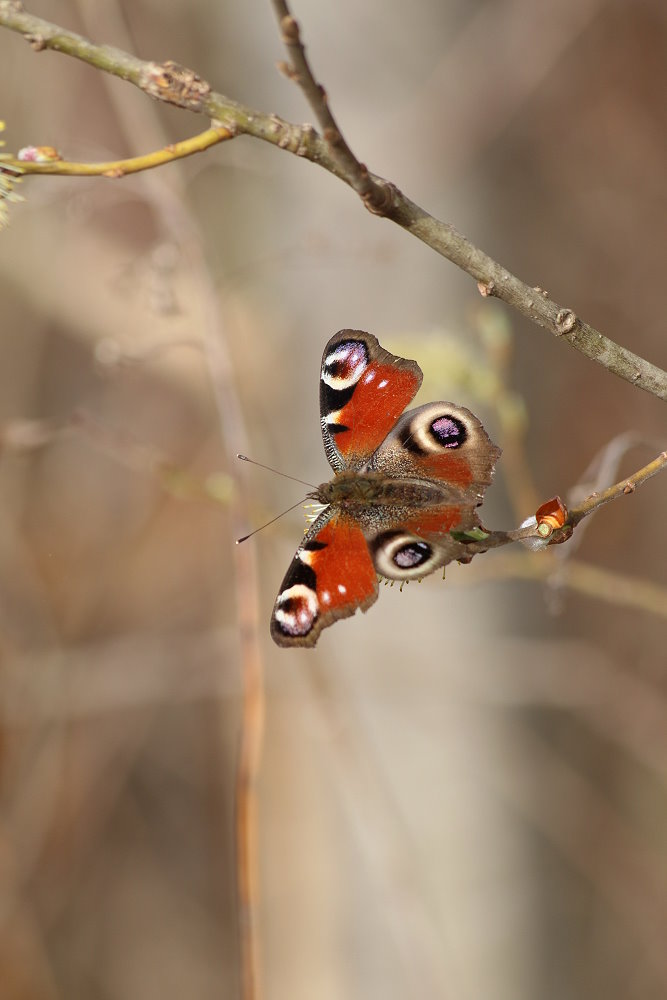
262 526
244 458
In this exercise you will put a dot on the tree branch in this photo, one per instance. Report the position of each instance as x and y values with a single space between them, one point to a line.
182 87
623 488
539 531
376 194
33 161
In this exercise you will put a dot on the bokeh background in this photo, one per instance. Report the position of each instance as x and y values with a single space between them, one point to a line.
463 792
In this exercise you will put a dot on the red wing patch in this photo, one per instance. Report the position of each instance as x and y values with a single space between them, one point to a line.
331 575
434 521
378 400
451 466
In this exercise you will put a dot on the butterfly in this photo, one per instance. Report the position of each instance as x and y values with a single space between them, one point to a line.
401 486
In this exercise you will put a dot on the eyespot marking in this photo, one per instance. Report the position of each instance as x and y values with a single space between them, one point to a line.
432 431
449 431
412 554
400 555
345 365
296 610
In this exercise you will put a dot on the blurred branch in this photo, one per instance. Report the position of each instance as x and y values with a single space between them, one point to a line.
26 164
21 437
179 86
182 87
603 584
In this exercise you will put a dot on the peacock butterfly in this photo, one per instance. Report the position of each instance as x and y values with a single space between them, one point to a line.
405 488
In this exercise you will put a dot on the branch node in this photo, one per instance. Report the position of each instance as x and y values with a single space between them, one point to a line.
306 134
486 288
629 487
382 198
289 28
36 42
566 321
231 126
288 70
174 84
276 125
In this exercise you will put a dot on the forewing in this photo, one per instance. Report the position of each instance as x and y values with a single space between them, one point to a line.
363 391
331 575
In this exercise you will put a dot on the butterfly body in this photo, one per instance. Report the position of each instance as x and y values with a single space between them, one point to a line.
401 485
363 489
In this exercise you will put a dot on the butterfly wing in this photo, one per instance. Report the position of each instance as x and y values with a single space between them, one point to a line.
363 391
445 459
331 575
442 444
335 569
410 547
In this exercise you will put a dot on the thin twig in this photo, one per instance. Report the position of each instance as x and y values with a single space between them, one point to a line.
375 194
530 531
183 88
625 487
119 168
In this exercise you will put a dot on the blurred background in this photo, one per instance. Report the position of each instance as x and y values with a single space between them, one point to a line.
463 792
